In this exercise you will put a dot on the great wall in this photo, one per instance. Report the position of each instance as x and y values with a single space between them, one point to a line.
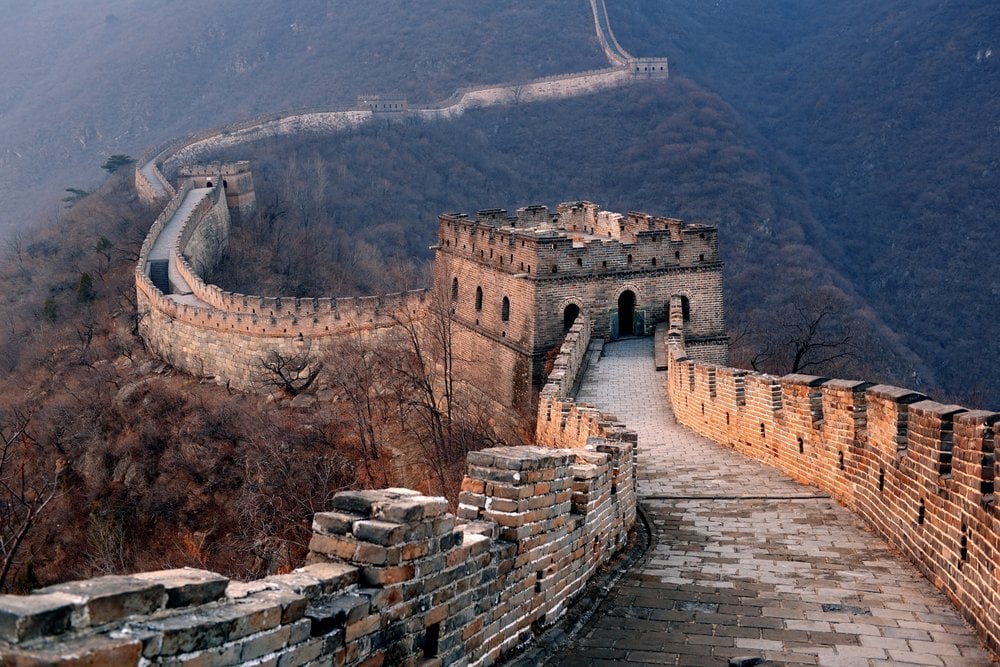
394 577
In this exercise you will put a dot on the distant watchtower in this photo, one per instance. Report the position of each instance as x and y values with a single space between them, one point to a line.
517 283
234 177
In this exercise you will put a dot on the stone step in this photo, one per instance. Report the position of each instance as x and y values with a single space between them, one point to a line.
158 274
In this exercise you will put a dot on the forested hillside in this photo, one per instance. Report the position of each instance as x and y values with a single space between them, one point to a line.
353 213
84 80
887 117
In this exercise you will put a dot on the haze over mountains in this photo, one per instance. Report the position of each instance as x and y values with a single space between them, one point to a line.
82 81
836 146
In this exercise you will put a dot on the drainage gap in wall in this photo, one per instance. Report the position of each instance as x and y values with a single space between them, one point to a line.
431 636
963 551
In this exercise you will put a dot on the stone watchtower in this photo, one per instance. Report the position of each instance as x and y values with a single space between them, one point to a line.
517 283
234 177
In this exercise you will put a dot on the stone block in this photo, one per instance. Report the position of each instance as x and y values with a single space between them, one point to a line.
384 533
206 628
363 626
343 610
363 503
387 576
343 547
187 586
334 523
24 617
414 508
333 576
106 599
95 651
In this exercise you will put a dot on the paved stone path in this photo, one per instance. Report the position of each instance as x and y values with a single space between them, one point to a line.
166 242
749 563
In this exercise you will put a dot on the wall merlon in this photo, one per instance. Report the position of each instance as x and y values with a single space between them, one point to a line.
919 472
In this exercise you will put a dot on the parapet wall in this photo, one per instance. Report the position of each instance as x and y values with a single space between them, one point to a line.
919 472
392 578
561 421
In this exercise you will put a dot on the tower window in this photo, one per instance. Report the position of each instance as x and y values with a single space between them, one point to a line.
479 298
505 310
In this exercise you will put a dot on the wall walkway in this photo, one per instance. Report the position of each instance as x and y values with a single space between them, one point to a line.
166 241
747 562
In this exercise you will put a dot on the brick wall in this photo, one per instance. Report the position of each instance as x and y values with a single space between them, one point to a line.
392 578
919 472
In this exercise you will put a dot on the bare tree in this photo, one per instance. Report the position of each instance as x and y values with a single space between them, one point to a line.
813 333
446 418
291 373
352 371
24 493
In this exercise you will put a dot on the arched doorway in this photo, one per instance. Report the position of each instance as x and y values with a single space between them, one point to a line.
569 315
626 313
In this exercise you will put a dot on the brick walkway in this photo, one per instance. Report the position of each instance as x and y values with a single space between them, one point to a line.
748 563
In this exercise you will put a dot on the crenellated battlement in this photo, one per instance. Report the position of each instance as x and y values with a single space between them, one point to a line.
920 472
578 240
516 281
519 281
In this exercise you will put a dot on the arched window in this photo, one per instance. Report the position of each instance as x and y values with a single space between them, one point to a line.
454 289
686 308
505 310
479 298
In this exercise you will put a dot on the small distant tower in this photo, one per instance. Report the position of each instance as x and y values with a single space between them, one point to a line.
649 68
379 104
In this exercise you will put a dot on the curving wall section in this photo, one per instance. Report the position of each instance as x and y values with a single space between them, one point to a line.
209 332
920 473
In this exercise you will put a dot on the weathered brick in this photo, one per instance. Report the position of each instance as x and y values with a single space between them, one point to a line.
29 617
95 651
105 599
187 586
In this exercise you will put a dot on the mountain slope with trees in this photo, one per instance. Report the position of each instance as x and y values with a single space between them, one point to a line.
353 213
888 118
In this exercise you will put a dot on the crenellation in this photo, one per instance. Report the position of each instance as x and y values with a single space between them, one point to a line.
919 472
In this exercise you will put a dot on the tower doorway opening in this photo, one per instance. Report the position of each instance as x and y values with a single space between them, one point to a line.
569 315
626 313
